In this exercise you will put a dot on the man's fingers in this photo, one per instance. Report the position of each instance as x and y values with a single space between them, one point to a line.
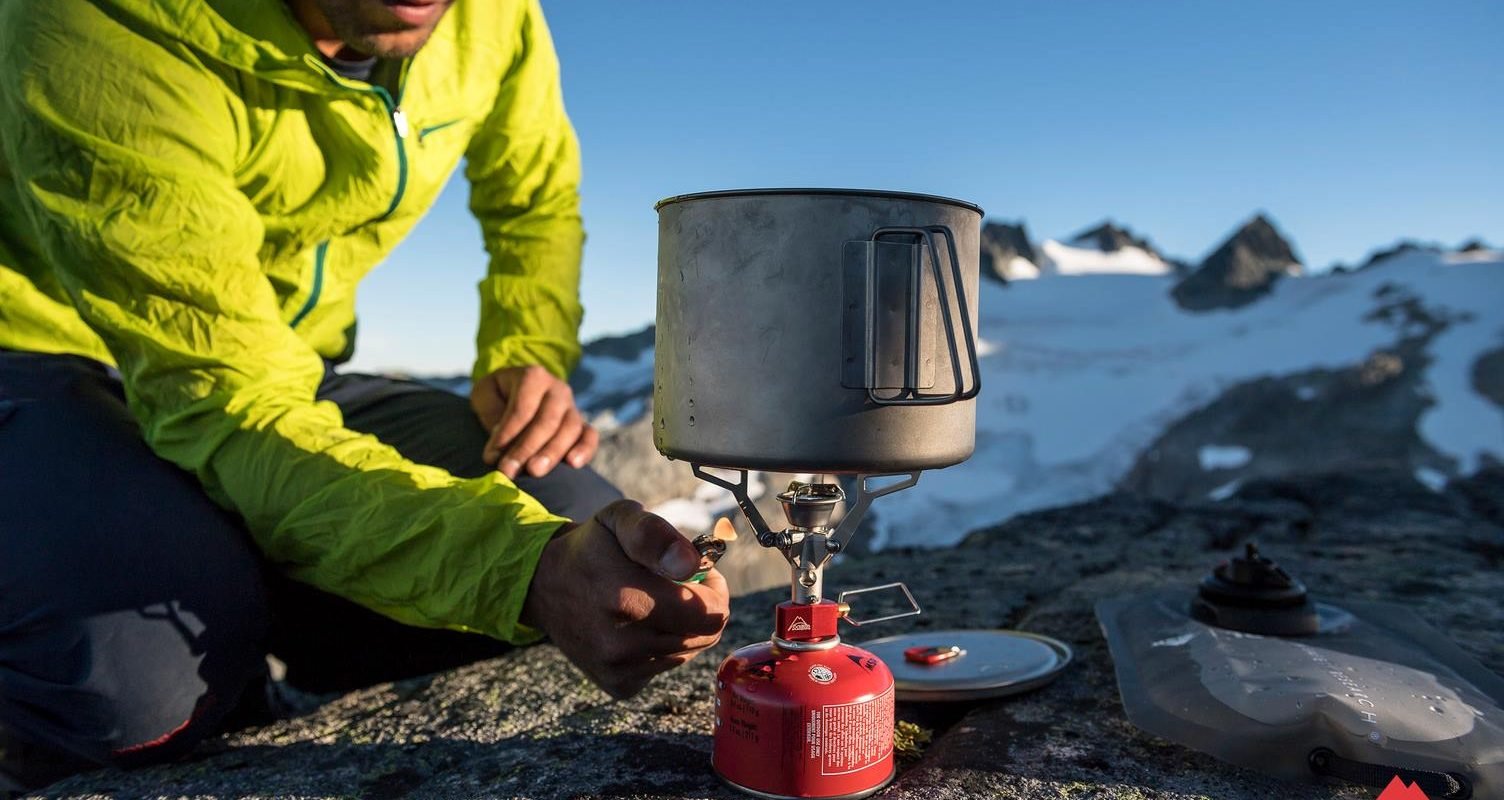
687 609
494 442
627 675
651 646
649 540
570 429
526 451
503 407
716 582
522 406
673 608
488 401
688 623
545 423
626 671
694 644
622 685
584 450
667 662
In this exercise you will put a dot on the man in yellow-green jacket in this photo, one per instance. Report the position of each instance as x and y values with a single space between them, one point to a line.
189 192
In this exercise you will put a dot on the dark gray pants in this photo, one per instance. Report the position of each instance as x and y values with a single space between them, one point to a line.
135 613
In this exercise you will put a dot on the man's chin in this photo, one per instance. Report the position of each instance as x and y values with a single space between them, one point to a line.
395 45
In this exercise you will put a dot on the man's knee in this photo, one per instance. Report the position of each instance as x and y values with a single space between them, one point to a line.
131 685
569 492
132 611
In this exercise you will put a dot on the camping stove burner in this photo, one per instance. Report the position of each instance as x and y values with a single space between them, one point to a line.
804 691
809 505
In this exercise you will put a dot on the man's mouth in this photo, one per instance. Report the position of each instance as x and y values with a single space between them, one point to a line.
417 13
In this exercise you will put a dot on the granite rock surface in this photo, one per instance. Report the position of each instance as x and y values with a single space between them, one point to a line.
528 725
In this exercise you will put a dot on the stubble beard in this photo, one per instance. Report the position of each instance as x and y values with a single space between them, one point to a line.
385 39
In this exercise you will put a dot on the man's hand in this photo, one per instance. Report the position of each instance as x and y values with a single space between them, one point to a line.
604 591
533 422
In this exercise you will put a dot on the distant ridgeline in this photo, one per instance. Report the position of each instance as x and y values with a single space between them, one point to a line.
1107 364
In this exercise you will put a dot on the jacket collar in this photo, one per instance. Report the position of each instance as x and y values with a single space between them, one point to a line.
257 36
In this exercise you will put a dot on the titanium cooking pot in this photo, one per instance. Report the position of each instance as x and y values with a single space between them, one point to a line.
816 330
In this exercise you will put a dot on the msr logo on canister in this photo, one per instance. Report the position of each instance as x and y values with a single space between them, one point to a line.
820 673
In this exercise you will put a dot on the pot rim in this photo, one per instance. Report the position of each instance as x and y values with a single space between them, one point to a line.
932 198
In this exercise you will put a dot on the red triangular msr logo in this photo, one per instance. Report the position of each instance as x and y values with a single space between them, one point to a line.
1397 790
799 624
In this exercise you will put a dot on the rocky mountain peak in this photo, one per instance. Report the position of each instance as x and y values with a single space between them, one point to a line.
1108 237
1402 247
1260 235
1002 242
1405 247
623 347
626 361
1242 269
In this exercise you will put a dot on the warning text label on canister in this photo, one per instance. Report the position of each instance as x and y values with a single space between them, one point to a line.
854 736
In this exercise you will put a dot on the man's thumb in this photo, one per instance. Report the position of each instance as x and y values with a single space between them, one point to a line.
650 540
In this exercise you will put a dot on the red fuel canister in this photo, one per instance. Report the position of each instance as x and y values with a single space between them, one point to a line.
803 715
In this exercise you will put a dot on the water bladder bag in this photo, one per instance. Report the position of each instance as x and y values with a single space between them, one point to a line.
1367 693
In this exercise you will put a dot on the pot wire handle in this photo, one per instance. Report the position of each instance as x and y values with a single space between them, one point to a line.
966 327
913 611
909 395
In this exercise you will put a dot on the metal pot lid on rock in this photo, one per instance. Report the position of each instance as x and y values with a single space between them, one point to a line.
927 666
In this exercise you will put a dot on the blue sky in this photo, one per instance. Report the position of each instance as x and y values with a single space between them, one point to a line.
1352 124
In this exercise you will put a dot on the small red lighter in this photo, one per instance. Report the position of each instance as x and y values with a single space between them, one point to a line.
933 654
711 547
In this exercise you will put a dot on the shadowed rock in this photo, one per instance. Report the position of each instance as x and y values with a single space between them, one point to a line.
1488 376
1323 420
528 725
626 347
1001 243
1240 271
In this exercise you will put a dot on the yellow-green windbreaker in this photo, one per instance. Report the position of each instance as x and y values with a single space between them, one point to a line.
189 193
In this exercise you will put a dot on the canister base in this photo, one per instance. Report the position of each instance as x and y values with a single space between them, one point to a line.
853 796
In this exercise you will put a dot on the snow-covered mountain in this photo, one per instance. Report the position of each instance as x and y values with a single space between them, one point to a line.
1104 380
1242 267
1134 374
1009 255
1104 248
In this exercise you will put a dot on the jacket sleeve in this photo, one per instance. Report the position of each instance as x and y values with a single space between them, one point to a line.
523 165
128 181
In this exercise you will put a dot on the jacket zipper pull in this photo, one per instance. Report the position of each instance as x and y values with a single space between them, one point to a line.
399 122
